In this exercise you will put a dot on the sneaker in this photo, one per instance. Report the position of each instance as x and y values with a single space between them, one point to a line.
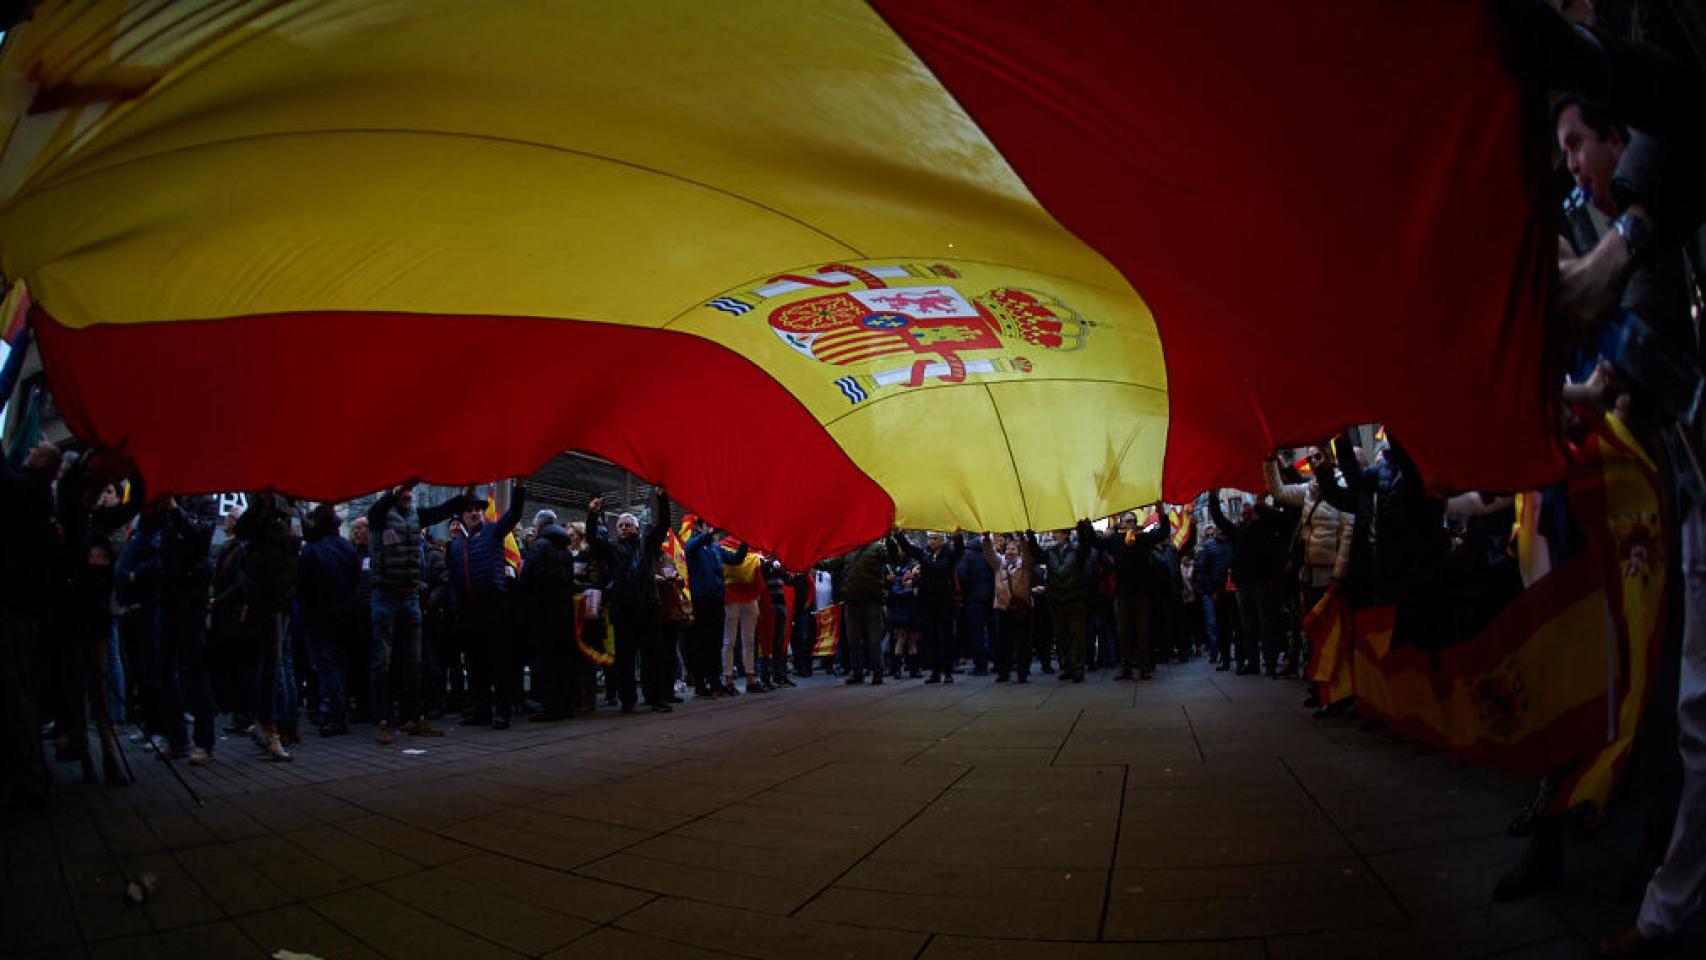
421 728
276 751
200 757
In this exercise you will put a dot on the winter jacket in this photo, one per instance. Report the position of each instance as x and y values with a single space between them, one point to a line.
476 560
705 560
775 583
270 554
1012 583
394 535
902 606
1135 570
547 580
863 573
935 575
632 566
1325 531
435 573
1068 582
326 578
976 579
28 560
1258 547
1214 560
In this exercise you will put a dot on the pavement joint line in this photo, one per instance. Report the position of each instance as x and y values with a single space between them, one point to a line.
925 946
1195 740
938 741
1068 739
717 809
1362 858
884 841
1113 854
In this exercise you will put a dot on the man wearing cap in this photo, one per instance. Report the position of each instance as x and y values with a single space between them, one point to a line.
478 588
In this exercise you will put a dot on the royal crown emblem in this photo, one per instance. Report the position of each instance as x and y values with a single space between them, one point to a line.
906 325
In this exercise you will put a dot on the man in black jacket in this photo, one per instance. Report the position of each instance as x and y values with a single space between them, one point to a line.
1259 541
936 565
1137 594
547 585
183 682
635 612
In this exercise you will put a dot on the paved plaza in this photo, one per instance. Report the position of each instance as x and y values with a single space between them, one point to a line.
1200 815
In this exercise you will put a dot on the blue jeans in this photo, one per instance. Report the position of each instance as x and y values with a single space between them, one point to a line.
396 628
115 680
325 652
1210 625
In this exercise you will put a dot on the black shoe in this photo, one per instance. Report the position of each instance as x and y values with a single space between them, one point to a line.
1001 678
913 674
1332 710
854 679
934 678
1078 676
1312 701
477 720
662 708
502 723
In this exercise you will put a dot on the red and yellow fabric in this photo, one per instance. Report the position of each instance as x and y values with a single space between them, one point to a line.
600 651
1560 678
1183 524
827 638
512 549
981 264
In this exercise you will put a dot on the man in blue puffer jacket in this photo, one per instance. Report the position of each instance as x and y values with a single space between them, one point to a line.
478 587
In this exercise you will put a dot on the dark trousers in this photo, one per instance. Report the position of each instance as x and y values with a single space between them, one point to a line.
778 662
638 637
555 653
325 637
183 678
396 635
937 628
1259 635
1135 616
1071 625
485 637
267 635
704 643
1013 642
976 624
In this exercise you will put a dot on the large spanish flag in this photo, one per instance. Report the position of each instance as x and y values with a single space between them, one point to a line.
992 264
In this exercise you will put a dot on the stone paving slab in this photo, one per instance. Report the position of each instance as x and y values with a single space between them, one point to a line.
1199 815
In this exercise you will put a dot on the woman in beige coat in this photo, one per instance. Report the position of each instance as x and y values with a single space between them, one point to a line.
1012 606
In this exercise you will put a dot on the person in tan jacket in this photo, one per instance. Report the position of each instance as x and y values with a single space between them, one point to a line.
1323 530
1012 606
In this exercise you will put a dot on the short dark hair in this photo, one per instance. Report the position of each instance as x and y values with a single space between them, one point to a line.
1596 115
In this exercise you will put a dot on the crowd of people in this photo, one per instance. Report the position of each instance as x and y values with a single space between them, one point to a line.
155 621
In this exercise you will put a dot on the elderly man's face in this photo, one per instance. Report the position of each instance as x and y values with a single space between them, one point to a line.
358 532
627 528
935 540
